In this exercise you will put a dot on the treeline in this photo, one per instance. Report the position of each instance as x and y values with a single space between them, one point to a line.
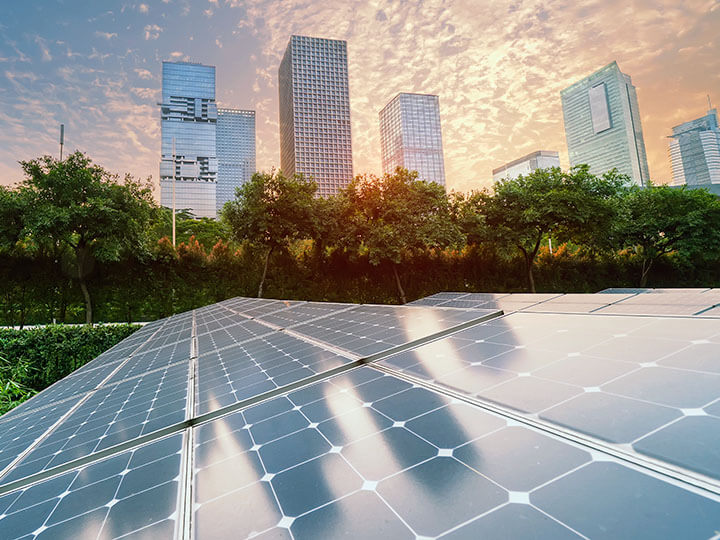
80 244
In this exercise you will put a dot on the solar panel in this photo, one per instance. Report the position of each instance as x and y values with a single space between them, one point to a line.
367 330
598 376
112 415
463 424
374 456
132 492
247 370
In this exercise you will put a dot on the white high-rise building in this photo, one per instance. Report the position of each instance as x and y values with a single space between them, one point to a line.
411 136
695 151
189 118
602 124
315 136
235 152
542 159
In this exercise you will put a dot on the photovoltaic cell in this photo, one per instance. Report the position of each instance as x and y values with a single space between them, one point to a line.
18 433
301 313
112 415
142 362
246 370
231 335
372 456
133 493
598 376
366 330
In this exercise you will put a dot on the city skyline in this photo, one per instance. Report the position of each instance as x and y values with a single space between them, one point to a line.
96 71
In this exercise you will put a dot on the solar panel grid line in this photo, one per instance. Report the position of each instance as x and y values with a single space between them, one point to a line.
306 320
327 346
185 491
688 479
52 428
168 430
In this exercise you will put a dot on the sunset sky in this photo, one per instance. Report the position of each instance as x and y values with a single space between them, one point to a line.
498 67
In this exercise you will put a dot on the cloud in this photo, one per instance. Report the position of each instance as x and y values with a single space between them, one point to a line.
105 35
143 8
152 31
46 56
218 43
143 73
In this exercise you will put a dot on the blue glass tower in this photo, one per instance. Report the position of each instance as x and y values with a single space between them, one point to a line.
695 151
235 152
189 117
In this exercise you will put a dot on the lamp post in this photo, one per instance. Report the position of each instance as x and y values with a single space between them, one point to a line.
173 191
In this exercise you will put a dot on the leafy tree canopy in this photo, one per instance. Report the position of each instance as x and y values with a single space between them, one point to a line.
78 204
657 220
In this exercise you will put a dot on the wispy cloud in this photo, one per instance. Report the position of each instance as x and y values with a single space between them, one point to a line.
152 31
106 35
44 50
143 8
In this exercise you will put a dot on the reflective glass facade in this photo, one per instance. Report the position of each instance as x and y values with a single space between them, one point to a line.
235 152
315 136
189 116
695 151
542 159
411 137
602 124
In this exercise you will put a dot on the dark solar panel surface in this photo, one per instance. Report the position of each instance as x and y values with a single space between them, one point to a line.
370 454
544 425
134 493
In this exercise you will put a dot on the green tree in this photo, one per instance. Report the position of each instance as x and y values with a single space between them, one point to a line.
270 212
394 216
78 204
658 220
573 205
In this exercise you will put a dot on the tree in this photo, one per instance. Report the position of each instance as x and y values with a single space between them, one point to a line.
393 216
658 220
78 204
571 205
271 211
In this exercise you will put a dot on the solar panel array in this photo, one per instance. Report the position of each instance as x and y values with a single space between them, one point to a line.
681 302
274 419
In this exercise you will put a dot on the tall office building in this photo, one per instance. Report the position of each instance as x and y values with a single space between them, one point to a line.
542 159
235 152
410 136
602 124
315 137
189 117
695 151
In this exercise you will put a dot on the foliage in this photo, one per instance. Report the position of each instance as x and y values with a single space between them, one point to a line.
76 204
271 211
12 391
54 351
395 216
658 220
570 205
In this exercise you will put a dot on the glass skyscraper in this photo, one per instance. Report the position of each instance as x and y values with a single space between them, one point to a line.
189 116
602 124
542 159
695 151
411 137
315 138
235 152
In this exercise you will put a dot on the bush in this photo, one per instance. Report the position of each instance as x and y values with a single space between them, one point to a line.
52 352
12 392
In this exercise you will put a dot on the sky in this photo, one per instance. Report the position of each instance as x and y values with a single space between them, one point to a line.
497 65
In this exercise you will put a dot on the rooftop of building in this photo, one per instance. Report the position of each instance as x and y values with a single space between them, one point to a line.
531 155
